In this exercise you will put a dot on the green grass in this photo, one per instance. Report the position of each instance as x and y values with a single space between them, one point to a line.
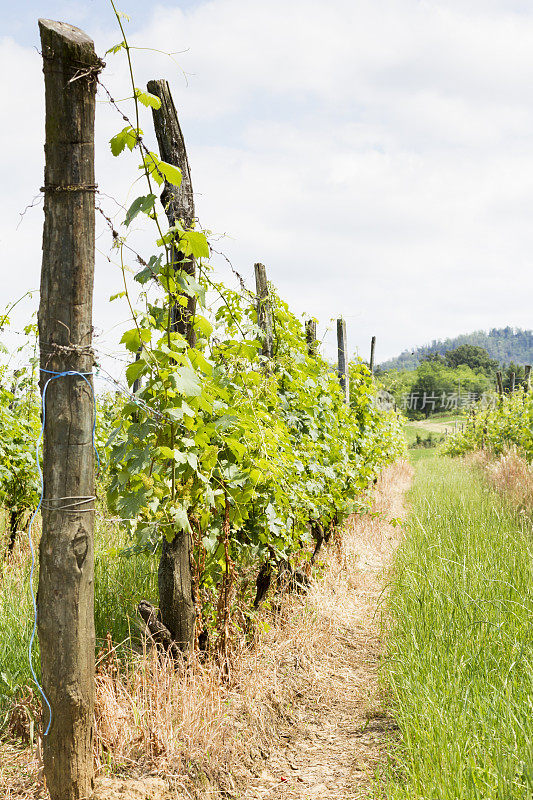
120 583
460 648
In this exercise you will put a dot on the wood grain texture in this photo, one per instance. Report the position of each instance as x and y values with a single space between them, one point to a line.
176 597
372 353
178 201
310 337
342 359
66 579
264 309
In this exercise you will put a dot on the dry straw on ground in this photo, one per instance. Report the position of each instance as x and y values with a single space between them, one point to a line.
301 715
509 474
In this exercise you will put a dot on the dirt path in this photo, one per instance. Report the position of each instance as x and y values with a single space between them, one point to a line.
336 736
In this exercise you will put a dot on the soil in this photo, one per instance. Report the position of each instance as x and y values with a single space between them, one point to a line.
337 738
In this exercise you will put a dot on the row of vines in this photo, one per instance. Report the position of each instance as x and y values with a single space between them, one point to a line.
252 459
506 424
234 451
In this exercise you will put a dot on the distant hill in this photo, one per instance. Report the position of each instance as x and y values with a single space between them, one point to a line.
503 344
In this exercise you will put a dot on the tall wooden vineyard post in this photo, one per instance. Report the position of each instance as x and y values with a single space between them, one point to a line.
66 578
176 587
512 382
527 378
372 351
499 383
310 337
265 319
342 359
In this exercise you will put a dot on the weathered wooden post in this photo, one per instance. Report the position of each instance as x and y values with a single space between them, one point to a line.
265 319
499 381
66 579
178 201
527 377
136 387
372 350
176 587
512 382
310 337
342 358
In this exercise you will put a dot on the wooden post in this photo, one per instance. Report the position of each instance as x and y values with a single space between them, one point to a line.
66 579
372 349
342 358
178 201
527 377
499 382
137 382
264 309
512 382
310 336
176 586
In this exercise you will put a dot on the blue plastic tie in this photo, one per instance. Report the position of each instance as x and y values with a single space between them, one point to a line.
54 376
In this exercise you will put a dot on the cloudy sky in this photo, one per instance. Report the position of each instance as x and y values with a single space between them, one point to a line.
376 155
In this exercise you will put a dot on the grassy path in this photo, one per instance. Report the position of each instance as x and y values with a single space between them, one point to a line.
335 735
460 663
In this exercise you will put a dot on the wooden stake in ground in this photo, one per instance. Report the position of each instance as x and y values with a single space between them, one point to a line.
527 378
499 381
342 359
176 593
310 337
372 350
512 382
66 579
264 309
177 200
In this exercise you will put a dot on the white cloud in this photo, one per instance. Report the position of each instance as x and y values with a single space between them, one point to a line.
377 155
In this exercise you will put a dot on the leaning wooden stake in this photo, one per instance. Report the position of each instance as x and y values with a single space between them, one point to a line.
342 358
499 381
372 351
177 200
176 586
264 310
310 337
66 578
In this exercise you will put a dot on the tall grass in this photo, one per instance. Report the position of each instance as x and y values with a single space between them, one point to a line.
460 647
120 583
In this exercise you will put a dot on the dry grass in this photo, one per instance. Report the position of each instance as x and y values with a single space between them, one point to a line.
207 735
509 474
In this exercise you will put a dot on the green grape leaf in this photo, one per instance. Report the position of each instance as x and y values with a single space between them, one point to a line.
171 173
145 203
151 164
150 271
115 49
187 382
147 99
179 515
196 244
131 339
134 370
127 137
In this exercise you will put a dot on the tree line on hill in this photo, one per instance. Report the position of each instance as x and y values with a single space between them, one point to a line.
505 345
447 382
